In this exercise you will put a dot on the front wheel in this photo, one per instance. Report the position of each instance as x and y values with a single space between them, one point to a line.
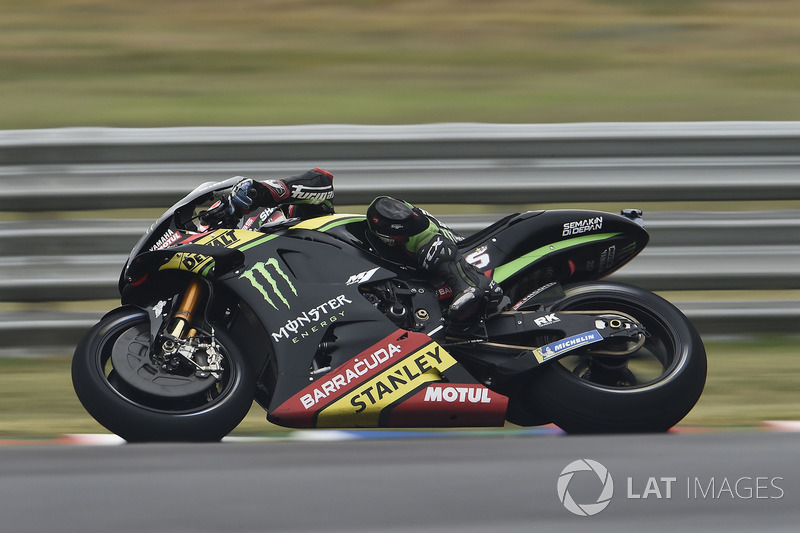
645 387
126 389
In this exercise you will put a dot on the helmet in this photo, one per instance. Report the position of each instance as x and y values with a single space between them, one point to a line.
394 220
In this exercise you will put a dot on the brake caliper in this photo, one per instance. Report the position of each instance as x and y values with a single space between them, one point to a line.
203 356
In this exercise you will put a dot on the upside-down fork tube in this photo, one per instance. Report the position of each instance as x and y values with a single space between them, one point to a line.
185 312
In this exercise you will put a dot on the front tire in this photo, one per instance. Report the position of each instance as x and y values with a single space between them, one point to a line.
137 415
652 391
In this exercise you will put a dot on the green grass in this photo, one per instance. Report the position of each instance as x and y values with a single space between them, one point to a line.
748 382
263 62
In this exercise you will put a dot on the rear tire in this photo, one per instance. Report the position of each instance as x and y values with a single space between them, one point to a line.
565 390
138 416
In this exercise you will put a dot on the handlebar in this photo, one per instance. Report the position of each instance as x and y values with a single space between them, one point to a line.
220 215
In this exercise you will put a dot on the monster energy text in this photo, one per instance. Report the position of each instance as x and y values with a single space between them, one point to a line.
312 320
271 272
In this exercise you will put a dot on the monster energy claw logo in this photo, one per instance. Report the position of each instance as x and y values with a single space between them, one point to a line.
263 270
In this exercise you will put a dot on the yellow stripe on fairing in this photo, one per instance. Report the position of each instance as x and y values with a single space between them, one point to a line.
362 406
318 222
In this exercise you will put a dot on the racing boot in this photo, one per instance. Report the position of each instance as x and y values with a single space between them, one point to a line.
473 293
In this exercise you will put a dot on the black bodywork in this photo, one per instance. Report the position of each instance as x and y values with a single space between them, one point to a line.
302 297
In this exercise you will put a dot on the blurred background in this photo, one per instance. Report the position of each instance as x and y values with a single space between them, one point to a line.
263 62
86 88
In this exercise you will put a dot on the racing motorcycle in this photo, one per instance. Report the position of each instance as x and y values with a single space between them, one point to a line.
324 327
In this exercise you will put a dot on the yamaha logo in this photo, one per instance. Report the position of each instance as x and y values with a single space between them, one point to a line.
566 477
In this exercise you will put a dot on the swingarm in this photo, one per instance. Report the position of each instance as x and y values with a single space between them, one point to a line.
516 342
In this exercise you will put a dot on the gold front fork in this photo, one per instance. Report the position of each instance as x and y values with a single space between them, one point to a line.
184 314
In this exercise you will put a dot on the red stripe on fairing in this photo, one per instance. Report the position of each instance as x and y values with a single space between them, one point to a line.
416 412
194 237
293 413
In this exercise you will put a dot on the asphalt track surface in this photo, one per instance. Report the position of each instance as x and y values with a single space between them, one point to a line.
732 481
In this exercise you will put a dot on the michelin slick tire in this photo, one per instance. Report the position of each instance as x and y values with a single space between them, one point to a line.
577 403
139 416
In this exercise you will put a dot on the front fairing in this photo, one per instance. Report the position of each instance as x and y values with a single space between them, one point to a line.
178 221
180 217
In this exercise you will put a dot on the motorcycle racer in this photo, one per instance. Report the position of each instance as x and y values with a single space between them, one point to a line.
426 242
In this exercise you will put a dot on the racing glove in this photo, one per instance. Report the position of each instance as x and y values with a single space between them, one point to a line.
242 196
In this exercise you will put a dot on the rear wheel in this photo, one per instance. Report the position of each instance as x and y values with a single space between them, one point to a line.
645 386
142 398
